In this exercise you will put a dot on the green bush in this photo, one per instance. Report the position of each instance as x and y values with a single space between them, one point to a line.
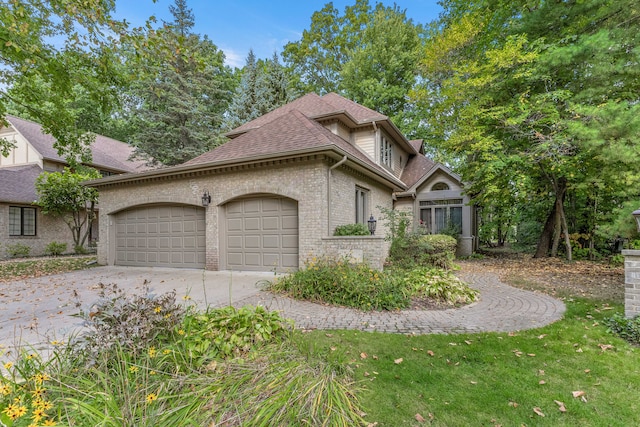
341 283
229 332
627 329
439 285
352 230
18 250
435 250
55 248
80 250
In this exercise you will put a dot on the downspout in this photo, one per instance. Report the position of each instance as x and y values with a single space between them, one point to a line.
344 159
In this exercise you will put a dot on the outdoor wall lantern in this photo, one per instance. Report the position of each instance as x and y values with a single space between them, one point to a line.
206 198
372 224
636 215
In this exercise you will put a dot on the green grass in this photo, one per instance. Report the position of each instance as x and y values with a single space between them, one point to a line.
14 270
495 378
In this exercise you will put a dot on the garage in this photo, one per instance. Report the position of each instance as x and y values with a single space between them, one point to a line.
261 234
161 236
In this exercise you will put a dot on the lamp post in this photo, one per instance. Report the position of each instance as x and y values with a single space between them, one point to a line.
636 215
372 225
206 198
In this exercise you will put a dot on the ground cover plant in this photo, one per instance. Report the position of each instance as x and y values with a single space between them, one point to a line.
146 360
340 282
34 267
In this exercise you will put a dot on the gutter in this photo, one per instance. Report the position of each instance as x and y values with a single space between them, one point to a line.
344 159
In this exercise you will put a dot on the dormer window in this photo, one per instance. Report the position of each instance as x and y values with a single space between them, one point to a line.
385 152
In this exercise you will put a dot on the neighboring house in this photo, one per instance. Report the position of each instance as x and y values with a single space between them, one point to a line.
33 152
271 197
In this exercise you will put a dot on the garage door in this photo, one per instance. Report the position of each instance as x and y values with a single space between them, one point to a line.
161 236
262 234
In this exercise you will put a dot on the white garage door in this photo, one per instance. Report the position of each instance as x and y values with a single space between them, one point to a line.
261 234
161 236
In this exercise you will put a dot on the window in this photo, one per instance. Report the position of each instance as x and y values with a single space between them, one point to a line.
362 205
385 151
437 216
439 186
22 221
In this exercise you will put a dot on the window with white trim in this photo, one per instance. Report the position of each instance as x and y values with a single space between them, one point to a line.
362 205
385 152
22 221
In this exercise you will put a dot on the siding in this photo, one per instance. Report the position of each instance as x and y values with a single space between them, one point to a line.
366 141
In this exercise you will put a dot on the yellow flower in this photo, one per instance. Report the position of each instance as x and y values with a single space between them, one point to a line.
186 297
49 423
157 309
5 389
56 342
8 365
38 414
152 372
40 378
151 397
166 351
181 332
38 392
133 369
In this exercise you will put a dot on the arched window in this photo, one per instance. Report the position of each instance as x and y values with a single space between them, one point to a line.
439 186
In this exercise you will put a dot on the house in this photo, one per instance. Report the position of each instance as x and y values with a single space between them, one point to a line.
271 197
22 222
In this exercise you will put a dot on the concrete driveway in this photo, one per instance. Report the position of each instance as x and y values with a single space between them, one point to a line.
38 311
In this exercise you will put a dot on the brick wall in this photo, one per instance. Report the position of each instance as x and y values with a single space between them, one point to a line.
370 249
631 283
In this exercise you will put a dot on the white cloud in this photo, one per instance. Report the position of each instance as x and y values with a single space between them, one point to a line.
232 58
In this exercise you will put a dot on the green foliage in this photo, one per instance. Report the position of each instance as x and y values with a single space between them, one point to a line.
336 281
625 328
45 79
532 137
229 333
62 194
437 250
439 285
130 322
179 91
352 230
396 221
18 250
55 248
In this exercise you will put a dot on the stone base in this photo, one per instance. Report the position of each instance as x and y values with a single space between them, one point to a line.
465 246
631 283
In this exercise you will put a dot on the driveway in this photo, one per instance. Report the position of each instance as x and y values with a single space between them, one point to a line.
40 310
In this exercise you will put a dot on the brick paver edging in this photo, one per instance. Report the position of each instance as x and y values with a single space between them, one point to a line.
501 308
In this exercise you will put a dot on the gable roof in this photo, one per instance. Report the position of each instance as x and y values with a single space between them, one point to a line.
18 183
106 152
416 168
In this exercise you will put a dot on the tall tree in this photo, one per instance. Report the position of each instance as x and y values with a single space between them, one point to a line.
245 103
181 92
367 54
535 90
43 78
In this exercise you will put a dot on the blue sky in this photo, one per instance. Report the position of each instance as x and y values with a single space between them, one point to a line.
236 26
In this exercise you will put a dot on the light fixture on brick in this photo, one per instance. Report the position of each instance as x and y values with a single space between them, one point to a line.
372 225
636 215
206 198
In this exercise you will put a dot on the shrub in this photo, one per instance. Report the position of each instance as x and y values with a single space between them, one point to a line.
127 321
436 250
627 329
339 282
18 250
80 250
229 332
55 248
439 285
352 230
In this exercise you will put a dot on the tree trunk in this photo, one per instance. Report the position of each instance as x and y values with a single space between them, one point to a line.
557 231
545 237
567 242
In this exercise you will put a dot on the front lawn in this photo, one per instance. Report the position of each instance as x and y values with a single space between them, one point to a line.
567 374
11 270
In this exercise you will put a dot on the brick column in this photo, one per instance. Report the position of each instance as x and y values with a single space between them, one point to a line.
631 283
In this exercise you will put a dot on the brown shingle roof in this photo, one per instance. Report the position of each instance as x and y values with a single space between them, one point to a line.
417 144
357 111
288 133
416 168
18 183
106 152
